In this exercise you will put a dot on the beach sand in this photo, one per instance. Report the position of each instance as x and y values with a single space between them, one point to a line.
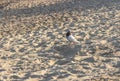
33 45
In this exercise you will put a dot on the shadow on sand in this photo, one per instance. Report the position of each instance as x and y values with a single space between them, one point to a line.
72 5
66 51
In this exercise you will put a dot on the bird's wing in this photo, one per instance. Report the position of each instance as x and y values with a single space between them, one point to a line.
72 39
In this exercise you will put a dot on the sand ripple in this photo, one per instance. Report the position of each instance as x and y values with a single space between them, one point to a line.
33 46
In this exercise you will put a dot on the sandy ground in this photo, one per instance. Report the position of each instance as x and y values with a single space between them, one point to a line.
33 46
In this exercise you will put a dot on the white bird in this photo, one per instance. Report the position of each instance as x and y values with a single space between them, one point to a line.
71 38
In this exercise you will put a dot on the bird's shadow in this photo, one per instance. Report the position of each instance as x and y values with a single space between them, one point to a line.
67 51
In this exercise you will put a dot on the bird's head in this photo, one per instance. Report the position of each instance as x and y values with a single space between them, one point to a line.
68 33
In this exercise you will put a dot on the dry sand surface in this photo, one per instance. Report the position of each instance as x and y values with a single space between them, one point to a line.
33 46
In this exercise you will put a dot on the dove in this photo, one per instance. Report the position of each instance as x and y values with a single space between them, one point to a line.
71 38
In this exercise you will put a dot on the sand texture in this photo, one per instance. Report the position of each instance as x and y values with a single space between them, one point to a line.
33 45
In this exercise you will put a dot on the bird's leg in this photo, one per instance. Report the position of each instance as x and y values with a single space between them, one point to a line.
68 43
72 45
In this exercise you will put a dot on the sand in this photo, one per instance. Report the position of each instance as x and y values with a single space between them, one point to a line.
33 46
